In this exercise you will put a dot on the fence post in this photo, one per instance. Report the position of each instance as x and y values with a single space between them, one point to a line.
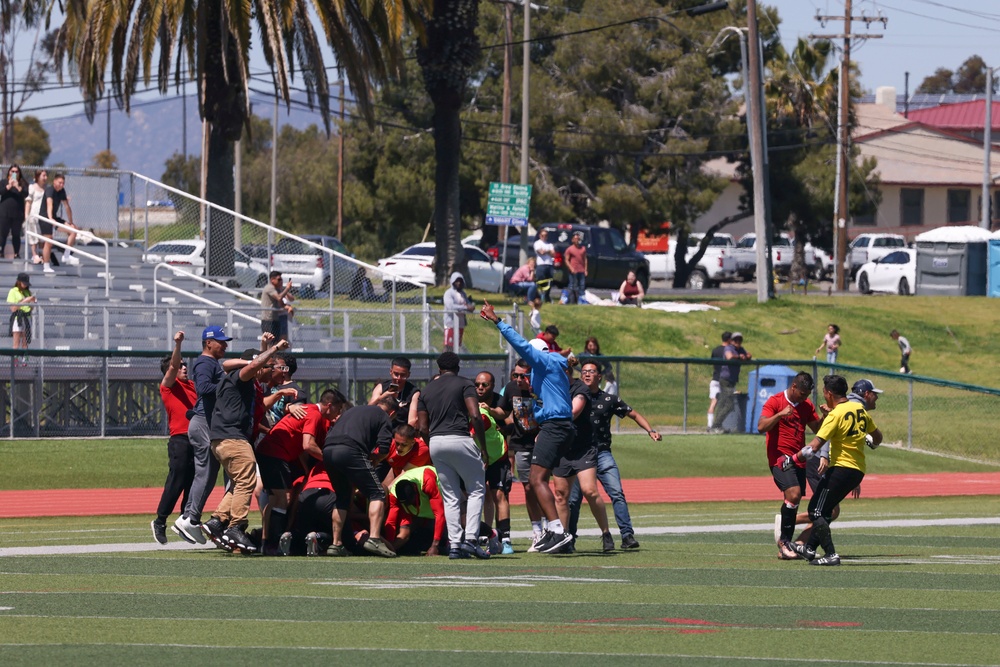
145 226
104 394
684 425
909 421
106 323
402 331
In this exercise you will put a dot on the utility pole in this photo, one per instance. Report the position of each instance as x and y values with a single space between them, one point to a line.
986 221
841 264
107 144
508 84
525 126
340 164
755 114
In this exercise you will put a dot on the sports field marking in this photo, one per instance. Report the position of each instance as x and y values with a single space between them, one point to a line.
520 534
451 581
506 652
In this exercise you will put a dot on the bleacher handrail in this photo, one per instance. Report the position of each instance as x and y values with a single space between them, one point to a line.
191 295
75 230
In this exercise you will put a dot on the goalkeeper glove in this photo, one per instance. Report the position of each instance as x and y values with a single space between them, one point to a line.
870 441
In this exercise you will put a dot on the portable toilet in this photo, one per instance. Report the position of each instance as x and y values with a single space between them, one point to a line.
952 261
993 259
762 384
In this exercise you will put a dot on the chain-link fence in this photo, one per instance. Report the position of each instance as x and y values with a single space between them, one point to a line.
62 391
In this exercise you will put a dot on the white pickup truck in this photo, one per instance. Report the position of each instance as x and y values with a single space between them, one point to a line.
715 266
869 247
782 250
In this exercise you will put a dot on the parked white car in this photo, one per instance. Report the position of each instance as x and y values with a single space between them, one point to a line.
896 273
869 247
189 254
416 264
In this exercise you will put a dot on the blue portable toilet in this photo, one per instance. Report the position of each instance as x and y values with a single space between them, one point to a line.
762 384
993 266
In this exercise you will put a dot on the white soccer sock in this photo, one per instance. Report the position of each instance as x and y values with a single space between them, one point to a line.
556 526
536 527
711 419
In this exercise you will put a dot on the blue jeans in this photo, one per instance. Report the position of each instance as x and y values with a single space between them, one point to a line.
577 285
530 290
611 480
831 358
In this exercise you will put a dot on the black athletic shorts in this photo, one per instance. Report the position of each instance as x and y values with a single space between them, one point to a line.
47 228
315 511
786 479
554 440
834 487
350 468
498 475
812 473
576 461
277 473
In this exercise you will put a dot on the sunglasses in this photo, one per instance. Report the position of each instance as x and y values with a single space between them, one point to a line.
482 384
520 376
282 368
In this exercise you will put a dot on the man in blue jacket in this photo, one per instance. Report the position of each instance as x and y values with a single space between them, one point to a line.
554 415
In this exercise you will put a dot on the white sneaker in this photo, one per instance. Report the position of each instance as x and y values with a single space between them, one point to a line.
902 370
72 261
188 530
534 541
777 529
48 269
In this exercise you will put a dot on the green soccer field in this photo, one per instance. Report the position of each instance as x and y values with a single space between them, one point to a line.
919 586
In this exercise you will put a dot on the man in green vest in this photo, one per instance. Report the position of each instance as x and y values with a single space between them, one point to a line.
415 521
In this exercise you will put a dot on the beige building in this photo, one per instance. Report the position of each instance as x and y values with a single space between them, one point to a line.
929 176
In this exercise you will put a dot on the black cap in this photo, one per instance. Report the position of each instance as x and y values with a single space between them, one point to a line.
250 354
862 386
24 278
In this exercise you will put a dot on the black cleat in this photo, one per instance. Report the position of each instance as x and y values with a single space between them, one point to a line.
553 542
829 559
803 550
629 542
238 540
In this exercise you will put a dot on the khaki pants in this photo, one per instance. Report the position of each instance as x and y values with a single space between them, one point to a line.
236 457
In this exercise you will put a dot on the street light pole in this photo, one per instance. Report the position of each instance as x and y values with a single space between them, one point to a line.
755 115
986 220
525 125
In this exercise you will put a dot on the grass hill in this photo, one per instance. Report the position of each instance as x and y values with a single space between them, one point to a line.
950 335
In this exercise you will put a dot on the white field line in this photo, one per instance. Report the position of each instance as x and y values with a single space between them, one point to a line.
521 534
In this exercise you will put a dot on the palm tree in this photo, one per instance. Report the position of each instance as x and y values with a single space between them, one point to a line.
143 39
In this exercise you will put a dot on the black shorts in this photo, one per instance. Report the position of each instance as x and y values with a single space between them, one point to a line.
315 512
554 440
277 473
498 475
786 479
272 327
576 461
812 473
350 468
834 487
46 228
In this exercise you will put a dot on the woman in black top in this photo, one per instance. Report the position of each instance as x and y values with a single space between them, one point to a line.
13 192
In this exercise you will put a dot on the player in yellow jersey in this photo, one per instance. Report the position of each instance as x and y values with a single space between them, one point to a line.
848 427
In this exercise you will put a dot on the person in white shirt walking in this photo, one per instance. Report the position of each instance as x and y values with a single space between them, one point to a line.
545 255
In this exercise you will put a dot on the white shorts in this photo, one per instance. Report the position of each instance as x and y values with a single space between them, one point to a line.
17 327
714 389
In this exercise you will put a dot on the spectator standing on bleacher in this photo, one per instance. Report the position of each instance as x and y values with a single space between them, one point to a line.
54 199
13 194
20 314
273 315
179 395
32 207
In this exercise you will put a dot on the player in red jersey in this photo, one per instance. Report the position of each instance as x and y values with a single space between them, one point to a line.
783 420
405 452
281 456
415 521
179 395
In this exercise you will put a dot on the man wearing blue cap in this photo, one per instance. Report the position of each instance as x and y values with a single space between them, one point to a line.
206 372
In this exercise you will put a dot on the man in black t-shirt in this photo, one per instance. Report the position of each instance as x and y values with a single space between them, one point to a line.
518 406
55 203
405 391
579 465
603 408
445 409
360 437
231 430
718 353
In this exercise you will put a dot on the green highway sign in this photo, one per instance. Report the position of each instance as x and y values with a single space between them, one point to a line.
509 204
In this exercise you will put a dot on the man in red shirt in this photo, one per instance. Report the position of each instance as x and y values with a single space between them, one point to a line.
416 513
783 420
283 455
575 257
406 451
179 395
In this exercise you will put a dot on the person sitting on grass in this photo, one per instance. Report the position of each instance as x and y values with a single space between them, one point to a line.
415 522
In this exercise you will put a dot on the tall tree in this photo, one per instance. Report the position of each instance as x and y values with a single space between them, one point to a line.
970 78
139 40
446 57
31 142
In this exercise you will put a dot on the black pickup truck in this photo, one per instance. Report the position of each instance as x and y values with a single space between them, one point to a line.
609 258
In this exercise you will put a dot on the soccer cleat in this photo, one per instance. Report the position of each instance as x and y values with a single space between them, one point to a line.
336 550
553 542
803 550
607 542
629 542
188 530
777 529
457 553
238 539
377 547
470 547
159 531
829 559
508 548
533 549
786 552
285 544
312 544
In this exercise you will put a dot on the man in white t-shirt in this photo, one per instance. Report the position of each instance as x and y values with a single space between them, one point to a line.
545 254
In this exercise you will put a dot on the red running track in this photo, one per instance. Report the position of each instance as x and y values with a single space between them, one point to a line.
94 502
